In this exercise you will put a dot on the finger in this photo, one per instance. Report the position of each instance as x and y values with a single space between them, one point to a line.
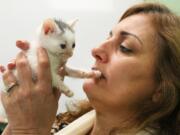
23 71
11 65
22 44
8 77
2 68
43 70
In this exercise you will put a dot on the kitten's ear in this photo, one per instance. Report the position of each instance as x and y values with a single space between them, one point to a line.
48 26
72 23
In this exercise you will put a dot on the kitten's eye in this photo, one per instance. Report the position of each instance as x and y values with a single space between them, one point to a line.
63 46
73 46
125 49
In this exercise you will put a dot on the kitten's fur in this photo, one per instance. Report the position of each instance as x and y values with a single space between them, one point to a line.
58 38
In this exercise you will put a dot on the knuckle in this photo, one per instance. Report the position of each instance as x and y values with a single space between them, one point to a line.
5 75
21 63
43 88
23 95
44 63
39 88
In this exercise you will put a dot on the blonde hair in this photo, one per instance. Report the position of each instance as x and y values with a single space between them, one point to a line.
165 114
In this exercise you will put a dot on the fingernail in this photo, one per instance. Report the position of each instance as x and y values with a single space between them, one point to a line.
11 65
18 42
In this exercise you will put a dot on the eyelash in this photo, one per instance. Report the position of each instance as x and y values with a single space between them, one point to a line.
121 47
125 49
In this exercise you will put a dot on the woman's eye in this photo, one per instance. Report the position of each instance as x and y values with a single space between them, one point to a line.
125 49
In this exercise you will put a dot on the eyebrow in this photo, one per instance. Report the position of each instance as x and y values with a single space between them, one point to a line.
125 33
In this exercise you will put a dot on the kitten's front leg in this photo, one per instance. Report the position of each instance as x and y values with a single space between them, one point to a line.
65 89
61 86
81 74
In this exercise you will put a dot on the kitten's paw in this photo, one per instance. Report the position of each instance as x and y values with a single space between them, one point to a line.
68 93
93 74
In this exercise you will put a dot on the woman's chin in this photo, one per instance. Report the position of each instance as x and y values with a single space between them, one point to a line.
88 84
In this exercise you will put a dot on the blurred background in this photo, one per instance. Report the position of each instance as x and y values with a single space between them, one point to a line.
19 19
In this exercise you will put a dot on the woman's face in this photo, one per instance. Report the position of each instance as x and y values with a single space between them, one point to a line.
127 62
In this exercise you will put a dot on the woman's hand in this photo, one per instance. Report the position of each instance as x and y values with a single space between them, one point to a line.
31 106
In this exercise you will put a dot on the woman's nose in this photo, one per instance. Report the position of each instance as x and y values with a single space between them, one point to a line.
100 55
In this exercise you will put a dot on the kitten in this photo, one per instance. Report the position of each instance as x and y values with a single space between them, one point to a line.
58 38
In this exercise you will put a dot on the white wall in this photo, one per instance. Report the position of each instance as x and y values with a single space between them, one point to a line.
20 18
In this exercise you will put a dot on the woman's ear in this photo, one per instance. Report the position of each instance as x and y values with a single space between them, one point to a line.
48 26
157 95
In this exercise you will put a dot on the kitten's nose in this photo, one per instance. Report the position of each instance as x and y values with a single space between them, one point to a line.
63 46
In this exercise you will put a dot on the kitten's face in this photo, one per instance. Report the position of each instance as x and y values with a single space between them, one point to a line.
57 37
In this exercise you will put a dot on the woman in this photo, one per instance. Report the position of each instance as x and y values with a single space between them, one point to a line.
139 90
